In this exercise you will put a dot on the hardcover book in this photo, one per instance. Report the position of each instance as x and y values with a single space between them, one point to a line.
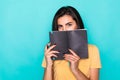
73 39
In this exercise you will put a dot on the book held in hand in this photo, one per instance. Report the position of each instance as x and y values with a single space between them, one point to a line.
75 40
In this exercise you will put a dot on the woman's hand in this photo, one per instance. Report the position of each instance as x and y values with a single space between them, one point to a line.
48 54
73 58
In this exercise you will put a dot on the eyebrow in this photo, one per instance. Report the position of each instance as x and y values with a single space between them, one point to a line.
68 23
65 24
59 25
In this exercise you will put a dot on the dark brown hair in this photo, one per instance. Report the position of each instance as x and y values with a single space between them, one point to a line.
67 10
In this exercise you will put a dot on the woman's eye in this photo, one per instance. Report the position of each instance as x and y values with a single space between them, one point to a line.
59 26
69 24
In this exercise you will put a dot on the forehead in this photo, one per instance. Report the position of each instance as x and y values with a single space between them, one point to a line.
65 19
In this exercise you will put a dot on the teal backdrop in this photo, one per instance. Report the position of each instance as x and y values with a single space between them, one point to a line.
24 27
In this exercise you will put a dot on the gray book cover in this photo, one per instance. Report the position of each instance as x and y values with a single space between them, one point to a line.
73 39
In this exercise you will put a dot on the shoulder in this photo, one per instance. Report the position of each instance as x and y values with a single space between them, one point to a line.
93 49
94 56
92 46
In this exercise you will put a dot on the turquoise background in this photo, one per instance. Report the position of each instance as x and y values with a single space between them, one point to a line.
24 27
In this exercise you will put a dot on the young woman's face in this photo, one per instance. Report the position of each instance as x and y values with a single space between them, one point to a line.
66 23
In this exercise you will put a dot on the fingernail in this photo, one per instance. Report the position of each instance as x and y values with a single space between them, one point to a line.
58 52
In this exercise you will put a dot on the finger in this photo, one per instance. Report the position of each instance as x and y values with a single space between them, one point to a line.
53 55
49 44
73 52
69 55
52 52
45 48
70 59
50 48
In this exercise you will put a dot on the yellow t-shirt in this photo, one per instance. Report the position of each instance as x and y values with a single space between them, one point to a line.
62 70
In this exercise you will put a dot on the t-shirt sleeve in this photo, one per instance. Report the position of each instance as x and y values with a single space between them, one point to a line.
44 63
95 58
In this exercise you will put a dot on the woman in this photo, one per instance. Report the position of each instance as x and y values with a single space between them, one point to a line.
72 67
